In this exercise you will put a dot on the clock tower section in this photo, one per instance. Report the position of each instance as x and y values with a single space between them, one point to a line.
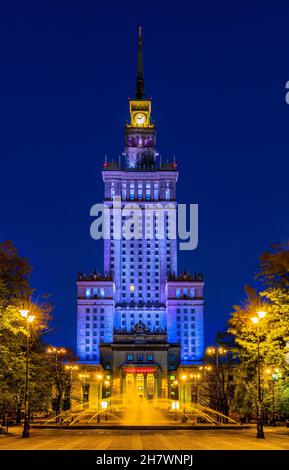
140 132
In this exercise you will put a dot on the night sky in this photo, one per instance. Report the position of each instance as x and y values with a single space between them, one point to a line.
217 73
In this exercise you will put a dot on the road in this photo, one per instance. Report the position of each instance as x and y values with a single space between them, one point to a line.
95 439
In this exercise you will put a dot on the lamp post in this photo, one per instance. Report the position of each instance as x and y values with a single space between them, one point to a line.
29 319
260 431
53 351
99 380
107 385
71 368
176 383
184 380
275 373
83 378
196 377
217 352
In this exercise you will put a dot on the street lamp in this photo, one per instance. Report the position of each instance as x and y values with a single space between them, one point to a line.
99 379
176 403
107 386
52 350
56 352
29 319
275 374
260 431
71 368
175 407
184 379
196 377
217 352
85 391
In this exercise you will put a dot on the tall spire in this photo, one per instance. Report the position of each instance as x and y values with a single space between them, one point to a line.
140 81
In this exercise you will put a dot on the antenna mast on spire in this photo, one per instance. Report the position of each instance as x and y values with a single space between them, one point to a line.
140 94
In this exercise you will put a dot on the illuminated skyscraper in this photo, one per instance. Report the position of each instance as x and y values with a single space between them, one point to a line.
140 301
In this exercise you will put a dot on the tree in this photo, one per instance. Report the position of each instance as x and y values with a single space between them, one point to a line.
15 273
218 385
15 293
273 329
60 380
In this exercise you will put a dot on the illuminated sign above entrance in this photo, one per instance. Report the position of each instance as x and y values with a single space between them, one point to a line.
139 370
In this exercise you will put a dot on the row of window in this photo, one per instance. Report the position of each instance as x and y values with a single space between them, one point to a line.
140 190
94 333
185 310
185 292
140 315
94 325
94 310
149 243
153 271
132 295
148 323
132 254
140 357
94 292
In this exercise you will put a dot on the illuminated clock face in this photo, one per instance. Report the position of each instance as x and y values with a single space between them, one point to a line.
140 118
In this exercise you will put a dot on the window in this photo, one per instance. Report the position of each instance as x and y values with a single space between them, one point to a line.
178 294
131 191
112 191
123 191
129 357
148 191
140 357
87 293
139 190
102 292
172 357
87 310
156 191
150 357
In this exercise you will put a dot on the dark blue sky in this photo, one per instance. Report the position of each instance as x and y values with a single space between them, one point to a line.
217 74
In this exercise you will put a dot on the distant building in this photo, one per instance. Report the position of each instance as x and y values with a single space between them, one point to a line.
140 320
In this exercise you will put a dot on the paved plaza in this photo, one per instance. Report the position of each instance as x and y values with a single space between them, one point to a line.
97 439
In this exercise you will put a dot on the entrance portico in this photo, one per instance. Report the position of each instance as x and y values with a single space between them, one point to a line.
140 382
